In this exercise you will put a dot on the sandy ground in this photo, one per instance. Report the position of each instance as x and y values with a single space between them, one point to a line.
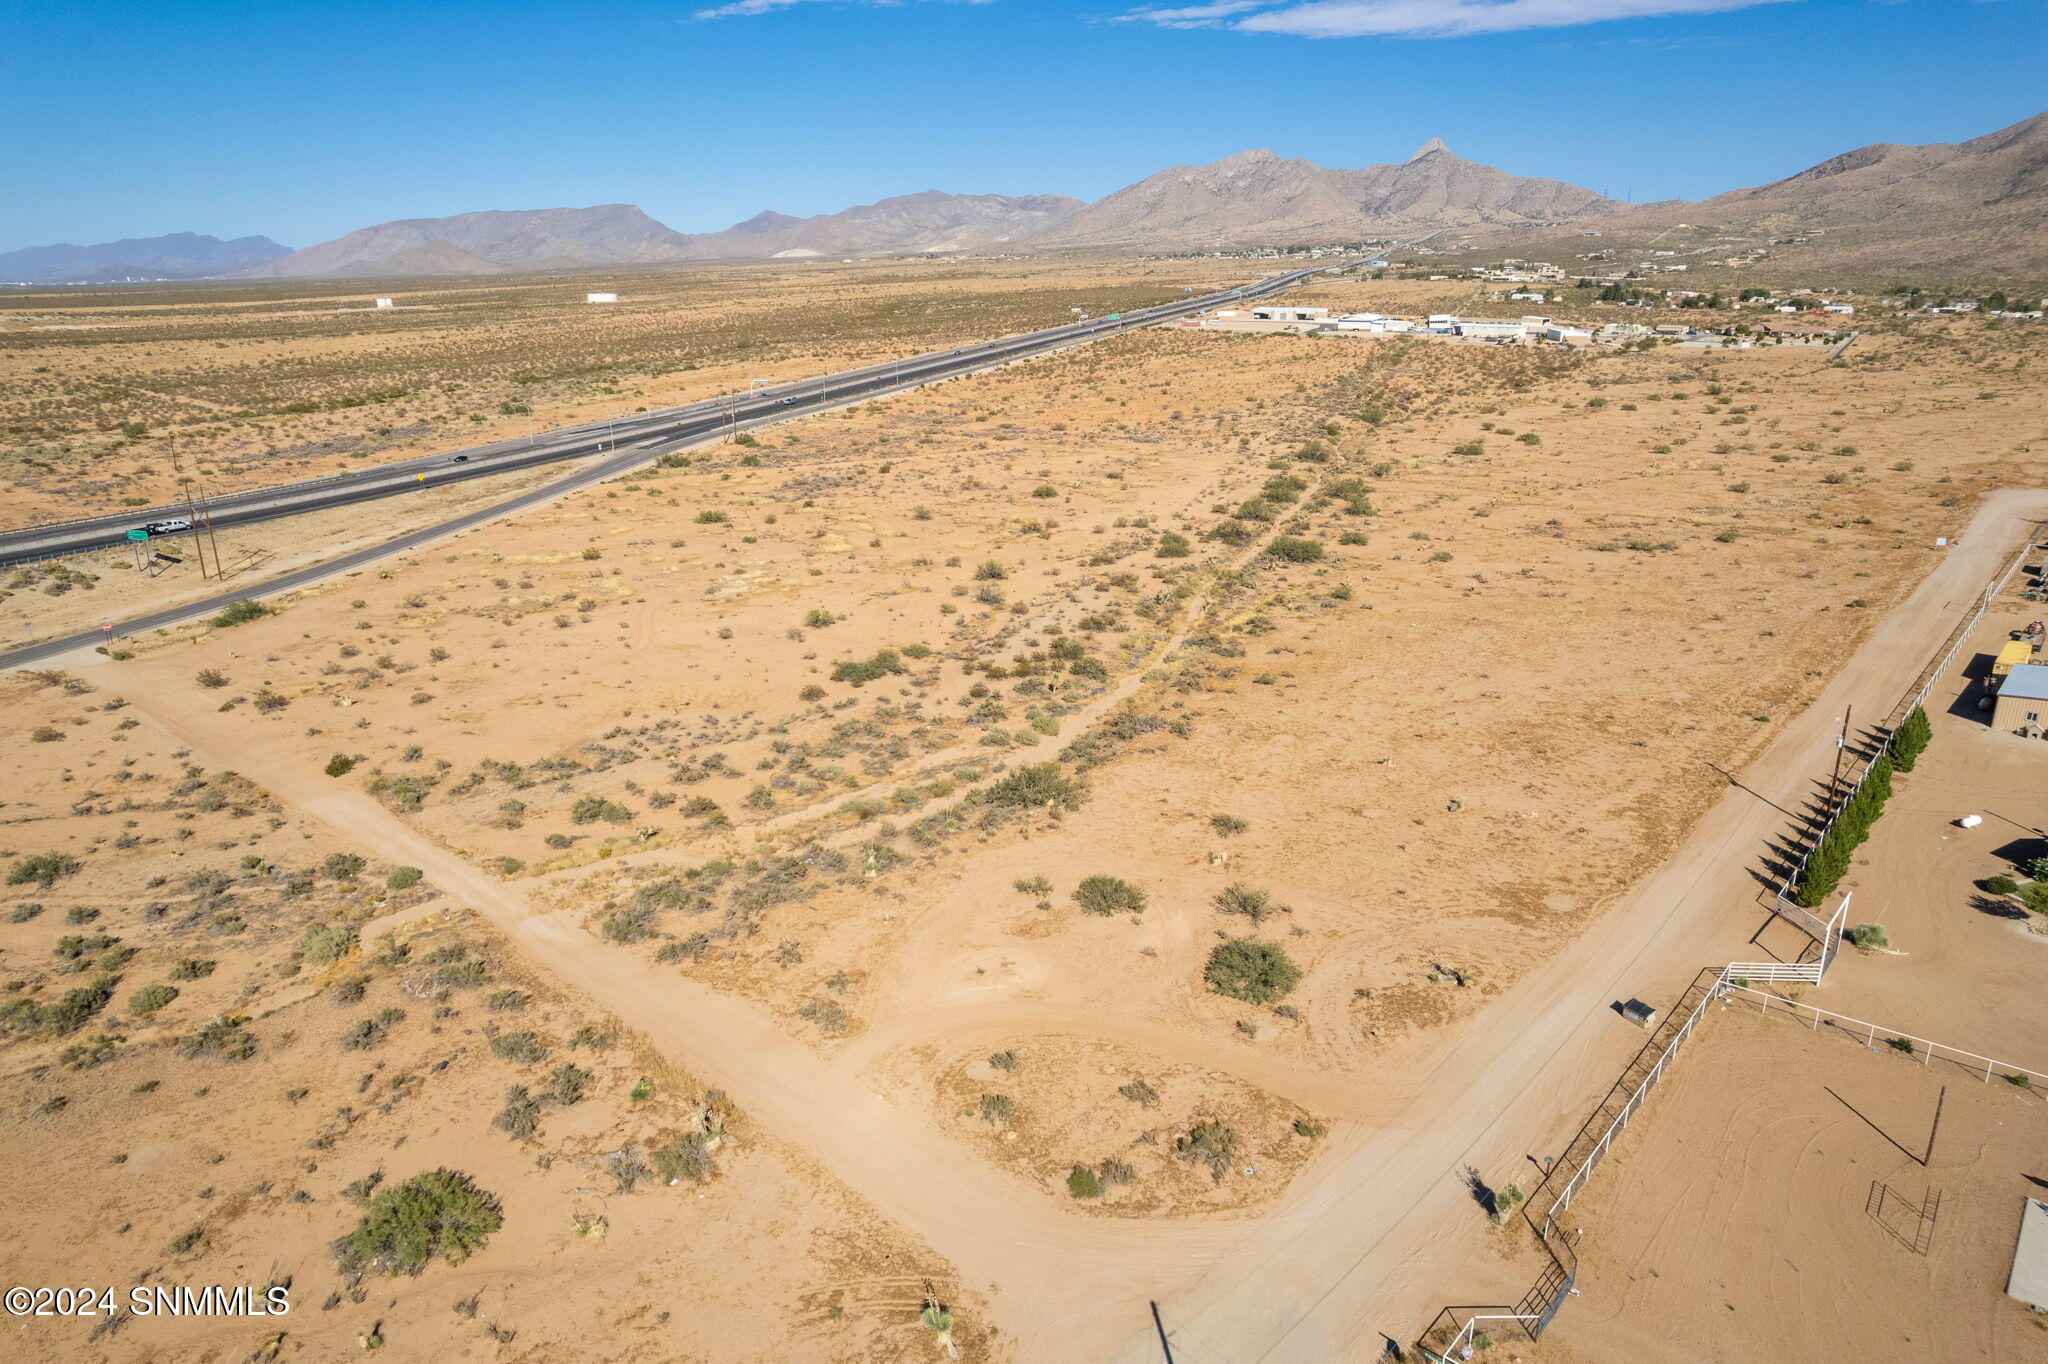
1446 751
109 393
189 1166
1776 1193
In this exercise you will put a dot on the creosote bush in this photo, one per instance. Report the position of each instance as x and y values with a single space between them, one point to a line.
439 1212
241 612
1109 895
1253 971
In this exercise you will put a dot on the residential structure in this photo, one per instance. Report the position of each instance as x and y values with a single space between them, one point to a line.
2021 706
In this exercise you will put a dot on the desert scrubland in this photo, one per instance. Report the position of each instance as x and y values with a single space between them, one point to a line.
1126 770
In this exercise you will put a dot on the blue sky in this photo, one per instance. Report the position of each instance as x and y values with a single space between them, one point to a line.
305 120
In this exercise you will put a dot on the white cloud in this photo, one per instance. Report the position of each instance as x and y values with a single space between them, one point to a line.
740 9
1418 18
1196 16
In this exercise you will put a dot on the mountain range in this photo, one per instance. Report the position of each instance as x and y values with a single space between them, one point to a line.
1251 198
1936 209
181 255
1969 205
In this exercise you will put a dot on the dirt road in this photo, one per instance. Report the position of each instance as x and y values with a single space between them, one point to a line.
1377 1231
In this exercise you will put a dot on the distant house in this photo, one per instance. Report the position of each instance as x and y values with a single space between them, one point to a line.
386 303
600 298
1838 307
2022 701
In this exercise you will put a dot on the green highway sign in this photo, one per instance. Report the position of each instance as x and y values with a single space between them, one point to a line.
138 535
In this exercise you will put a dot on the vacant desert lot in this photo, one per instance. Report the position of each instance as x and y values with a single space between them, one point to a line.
936 748
228 1029
108 392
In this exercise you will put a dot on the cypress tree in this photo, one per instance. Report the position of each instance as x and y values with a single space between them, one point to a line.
1910 739
1835 852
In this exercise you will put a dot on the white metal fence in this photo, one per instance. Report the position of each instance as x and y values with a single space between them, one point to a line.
1925 1050
1775 972
1628 1109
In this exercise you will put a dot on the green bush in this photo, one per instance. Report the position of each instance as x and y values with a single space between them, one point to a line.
884 663
1999 885
343 866
591 809
150 998
340 765
1256 905
522 1047
241 612
687 1157
635 923
1083 1182
44 869
404 878
1033 785
2034 895
327 942
566 1084
1295 550
1212 1143
1174 546
1253 971
1109 895
439 1212
1868 935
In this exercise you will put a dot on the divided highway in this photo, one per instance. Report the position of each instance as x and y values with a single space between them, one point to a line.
625 444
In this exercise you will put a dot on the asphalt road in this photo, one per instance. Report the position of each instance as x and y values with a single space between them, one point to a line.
626 444
668 426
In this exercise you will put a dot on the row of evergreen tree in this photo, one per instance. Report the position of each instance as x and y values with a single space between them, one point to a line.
1836 850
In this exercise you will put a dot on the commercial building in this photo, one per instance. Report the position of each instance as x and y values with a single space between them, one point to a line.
1281 312
1491 329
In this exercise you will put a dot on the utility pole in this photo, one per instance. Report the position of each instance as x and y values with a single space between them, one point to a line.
191 508
206 516
1841 743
